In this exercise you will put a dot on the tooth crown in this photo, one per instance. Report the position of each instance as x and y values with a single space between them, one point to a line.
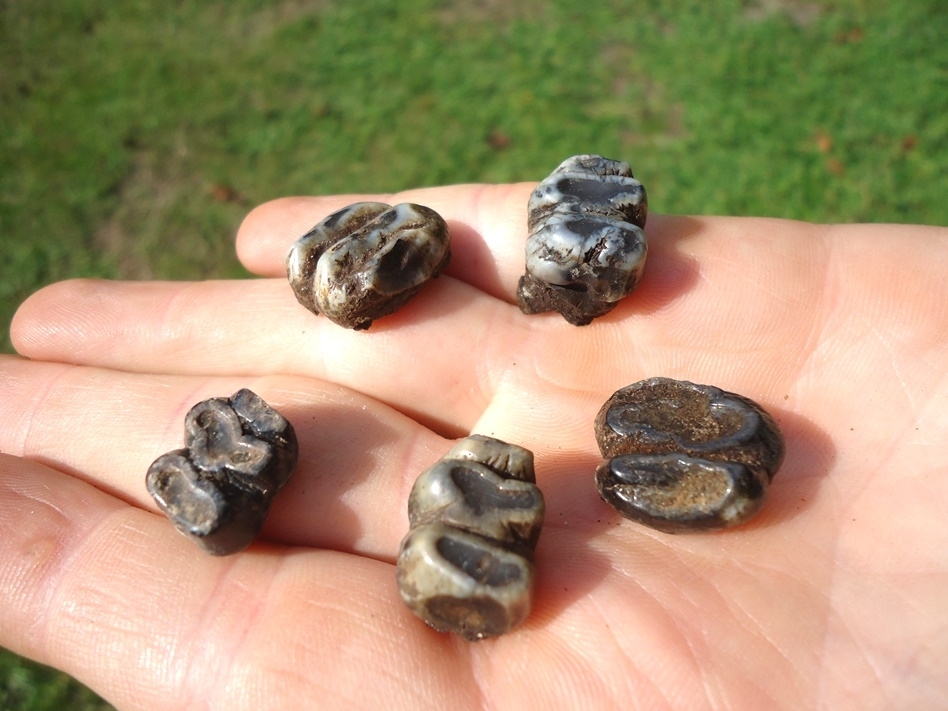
217 490
681 457
466 565
367 260
586 249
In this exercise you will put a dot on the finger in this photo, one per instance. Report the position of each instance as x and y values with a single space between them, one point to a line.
112 595
713 286
107 427
441 358
420 360
488 225
357 457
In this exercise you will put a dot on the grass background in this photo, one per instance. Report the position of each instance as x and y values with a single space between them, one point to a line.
134 136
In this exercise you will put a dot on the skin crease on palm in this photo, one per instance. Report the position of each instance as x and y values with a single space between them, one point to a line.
834 596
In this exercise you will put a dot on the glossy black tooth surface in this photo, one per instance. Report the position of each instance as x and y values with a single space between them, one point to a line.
683 457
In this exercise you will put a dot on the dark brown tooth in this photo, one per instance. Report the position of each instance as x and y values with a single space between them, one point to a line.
367 260
682 457
239 452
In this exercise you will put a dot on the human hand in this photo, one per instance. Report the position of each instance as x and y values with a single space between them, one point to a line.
833 596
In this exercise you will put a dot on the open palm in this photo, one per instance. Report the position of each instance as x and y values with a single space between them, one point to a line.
834 595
